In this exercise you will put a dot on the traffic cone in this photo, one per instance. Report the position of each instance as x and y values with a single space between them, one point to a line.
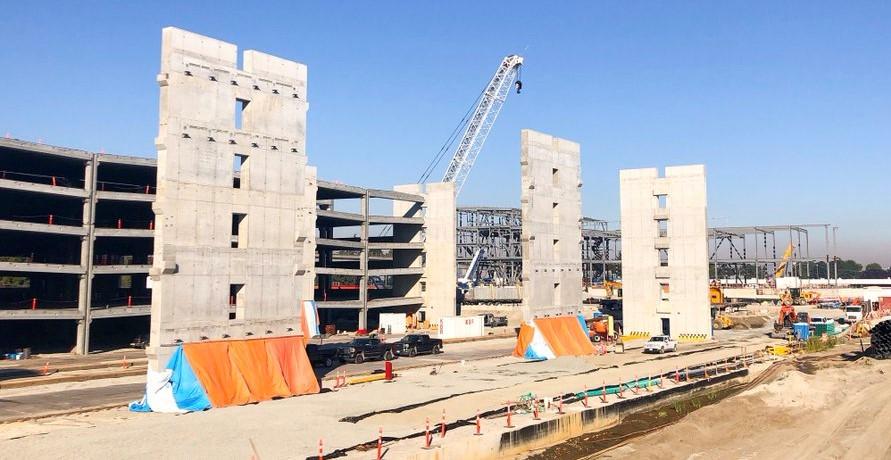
427 437
380 441
478 431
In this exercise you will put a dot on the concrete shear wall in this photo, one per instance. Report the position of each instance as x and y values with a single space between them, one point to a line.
266 269
551 213
675 285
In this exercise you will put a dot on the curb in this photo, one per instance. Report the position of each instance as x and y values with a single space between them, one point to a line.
58 413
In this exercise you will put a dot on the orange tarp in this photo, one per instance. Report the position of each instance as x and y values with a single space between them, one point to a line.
222 381
260 371
235 372
290 355
565 336
523 339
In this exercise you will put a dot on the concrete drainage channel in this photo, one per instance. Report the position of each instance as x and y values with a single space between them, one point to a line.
577 427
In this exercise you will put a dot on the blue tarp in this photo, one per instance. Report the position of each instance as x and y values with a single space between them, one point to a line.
187 389
584 325
175 390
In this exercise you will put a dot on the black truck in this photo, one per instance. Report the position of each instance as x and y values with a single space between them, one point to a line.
363 349
322 355
414 344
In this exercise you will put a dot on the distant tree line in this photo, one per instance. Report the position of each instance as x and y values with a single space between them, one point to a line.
846 269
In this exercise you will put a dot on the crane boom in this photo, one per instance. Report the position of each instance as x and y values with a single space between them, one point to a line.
481 122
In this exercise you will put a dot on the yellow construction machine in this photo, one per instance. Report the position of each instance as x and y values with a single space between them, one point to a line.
613 289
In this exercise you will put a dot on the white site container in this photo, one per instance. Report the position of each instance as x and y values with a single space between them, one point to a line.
392 323
789 282
455 327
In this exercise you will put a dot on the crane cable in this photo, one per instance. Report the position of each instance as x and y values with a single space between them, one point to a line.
447 146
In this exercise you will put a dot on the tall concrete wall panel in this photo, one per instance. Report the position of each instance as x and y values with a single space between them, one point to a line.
235 201
551 212
665 251
439 245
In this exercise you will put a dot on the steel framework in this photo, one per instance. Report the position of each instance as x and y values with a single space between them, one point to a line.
739 255
497 232
746 254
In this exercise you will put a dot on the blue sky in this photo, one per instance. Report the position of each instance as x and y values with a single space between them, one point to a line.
787 103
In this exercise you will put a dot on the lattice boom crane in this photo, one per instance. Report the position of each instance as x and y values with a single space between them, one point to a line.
479 125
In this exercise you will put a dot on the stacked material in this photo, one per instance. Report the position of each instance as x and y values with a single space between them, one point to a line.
229 372
881 340
548 338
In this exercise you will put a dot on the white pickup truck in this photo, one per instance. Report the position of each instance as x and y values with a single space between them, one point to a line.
853 313
660 344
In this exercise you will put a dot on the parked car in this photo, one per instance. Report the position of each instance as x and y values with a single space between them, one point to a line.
490 320
140 341
415 344
660 344
363 349
322 355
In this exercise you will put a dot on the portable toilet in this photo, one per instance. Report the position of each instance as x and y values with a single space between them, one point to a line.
802 330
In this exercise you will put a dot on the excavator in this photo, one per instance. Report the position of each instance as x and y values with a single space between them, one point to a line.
787 314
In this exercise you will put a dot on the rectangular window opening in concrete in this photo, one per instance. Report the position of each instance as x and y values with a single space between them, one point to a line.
663 227
555 177
423 286
663 257
239 165
664 291
238 224
662 201
240 106
236 307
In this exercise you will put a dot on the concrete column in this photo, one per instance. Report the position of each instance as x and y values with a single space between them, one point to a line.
363 264
85 288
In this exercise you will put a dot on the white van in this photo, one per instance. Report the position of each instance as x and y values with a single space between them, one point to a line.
853 313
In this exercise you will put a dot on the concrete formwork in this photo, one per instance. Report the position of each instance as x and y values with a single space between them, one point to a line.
665 251
233 245
551 214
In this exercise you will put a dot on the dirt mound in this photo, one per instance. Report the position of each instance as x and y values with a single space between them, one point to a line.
822 409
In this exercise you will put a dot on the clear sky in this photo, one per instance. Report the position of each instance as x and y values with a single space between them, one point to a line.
787 103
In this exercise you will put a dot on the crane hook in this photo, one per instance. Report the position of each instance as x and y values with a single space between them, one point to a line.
519 85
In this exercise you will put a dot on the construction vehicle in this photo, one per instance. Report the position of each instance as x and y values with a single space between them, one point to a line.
480 123
787 315
466 282
613 289
476 129
601 328
722 321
